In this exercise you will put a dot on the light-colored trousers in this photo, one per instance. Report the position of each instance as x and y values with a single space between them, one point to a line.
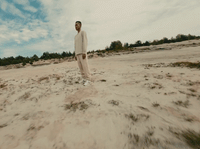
84 68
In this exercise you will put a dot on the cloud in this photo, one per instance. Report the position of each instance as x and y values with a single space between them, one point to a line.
14 31
30 8
8 52
21 2
10 8
3 5
26 5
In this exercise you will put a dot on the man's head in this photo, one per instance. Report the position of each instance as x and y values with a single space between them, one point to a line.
78 25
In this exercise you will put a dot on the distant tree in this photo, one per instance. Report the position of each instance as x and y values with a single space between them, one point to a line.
173 39
16 61
146 43
181 37
31 62
106 48
64 54
35 57
132 45
69 54
21 58
190 37
155 42
24 63
126 45
165 40
5 62
45 56
73 54
116 45
138 43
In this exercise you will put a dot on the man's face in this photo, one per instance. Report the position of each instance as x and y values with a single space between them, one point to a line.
77 26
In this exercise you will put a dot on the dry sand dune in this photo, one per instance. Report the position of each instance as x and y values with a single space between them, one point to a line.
136 101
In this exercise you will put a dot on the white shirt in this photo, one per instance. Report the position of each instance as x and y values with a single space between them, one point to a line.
80 43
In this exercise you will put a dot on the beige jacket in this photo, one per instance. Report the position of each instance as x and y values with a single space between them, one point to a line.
80 43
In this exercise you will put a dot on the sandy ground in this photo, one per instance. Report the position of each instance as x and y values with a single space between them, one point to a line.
129 105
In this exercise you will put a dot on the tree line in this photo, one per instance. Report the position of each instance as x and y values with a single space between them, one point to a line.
24 60
114 46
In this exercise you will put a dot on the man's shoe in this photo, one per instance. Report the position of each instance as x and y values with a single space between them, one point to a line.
86 83
82 81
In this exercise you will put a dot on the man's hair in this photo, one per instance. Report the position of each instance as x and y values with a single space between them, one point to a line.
79 22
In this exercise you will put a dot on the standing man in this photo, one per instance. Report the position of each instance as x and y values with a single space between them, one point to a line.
80 42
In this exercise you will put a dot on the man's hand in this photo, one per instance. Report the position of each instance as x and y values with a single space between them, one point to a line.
75 58
83 56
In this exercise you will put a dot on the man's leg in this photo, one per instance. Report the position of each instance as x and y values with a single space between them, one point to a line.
79 57
86 69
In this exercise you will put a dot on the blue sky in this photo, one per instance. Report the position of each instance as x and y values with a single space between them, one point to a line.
29 27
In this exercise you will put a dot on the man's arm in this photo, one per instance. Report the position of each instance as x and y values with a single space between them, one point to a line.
75 49
84 42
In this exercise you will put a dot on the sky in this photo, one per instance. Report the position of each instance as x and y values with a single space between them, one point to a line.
29 27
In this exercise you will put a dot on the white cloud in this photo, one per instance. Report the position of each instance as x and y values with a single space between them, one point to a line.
9 7
30 8
3 5
21 2
8 52
26 5
14 31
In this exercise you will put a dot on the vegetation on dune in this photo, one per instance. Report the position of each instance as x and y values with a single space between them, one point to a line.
115 46
186 64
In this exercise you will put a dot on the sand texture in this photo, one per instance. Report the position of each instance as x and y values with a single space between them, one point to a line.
136 101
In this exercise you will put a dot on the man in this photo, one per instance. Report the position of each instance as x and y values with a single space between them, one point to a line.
80 42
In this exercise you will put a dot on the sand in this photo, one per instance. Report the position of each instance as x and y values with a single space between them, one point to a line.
129 105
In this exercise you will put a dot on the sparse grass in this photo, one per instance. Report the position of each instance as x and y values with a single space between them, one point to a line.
192 90
145 141
182 92
3 85
150 132
136 137
181 103
25 117
191 83
3 125
137 117
74 106
192 138
103 80
25 96
155 104
189 94
32 127
132 117
188 119
143 108
113 102
186 64
168 75
58 78
154 85
43 78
